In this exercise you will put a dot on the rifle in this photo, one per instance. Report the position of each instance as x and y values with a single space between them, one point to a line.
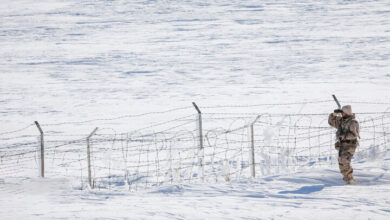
337 102
340 129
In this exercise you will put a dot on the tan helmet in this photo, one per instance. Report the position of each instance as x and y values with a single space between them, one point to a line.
347 109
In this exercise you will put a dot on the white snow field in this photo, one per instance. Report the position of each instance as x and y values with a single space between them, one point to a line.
316 194
133 69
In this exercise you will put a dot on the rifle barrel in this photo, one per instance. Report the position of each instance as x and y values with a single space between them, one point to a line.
337 101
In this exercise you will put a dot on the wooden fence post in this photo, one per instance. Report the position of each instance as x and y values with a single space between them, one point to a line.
42 150
200 137
253 163
89 158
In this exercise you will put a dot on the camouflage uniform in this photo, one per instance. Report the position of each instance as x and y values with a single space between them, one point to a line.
348 141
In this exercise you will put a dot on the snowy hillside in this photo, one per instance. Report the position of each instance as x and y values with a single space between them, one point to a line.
70 60
320 193
133 68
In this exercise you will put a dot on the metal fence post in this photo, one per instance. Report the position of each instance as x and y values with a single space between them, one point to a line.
89 158
200 137
253 163
42 150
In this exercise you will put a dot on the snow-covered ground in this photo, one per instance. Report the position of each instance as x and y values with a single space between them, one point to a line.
318 194
65 62
70 60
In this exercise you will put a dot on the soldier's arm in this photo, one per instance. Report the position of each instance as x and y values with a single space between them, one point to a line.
358 129
354 131
334 120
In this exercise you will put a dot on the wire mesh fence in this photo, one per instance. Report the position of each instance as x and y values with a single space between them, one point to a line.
233 145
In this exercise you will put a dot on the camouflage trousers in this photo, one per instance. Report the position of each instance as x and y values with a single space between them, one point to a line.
346 153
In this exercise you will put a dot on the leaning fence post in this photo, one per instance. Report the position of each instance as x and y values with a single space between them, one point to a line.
200 137
253 147
89 158
42 150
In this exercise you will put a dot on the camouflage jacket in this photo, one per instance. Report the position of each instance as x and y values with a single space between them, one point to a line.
349 127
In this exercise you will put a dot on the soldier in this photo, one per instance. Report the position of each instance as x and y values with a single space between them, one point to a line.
347 136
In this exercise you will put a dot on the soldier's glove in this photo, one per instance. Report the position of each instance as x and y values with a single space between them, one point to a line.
338 111
337 145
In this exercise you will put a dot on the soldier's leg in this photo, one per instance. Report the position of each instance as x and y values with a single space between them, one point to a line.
351 152
345 162
345 165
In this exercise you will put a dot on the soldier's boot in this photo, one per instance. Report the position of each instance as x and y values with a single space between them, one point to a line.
348 178
352 181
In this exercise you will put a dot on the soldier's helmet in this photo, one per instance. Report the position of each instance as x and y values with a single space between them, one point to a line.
347 109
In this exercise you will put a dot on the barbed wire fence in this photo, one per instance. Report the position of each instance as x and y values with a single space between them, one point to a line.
211 144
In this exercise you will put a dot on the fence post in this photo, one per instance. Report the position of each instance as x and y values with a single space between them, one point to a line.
42 150
200 138
253 147
89 158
